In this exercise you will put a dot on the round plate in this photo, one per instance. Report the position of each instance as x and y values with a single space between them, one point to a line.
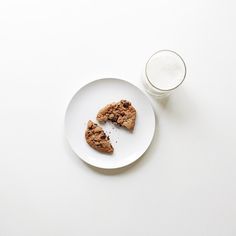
128 146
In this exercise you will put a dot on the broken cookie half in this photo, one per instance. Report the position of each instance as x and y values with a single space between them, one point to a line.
121 113
97 139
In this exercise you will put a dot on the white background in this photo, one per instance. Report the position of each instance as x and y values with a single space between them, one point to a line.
184 185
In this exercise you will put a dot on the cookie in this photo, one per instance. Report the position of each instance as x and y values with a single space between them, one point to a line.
121 113
97 139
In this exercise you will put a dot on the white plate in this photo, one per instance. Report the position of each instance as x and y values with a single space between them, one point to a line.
128 146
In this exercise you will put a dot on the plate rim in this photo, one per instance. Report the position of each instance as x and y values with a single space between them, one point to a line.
99 166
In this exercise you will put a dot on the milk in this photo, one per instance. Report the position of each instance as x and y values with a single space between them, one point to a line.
165 70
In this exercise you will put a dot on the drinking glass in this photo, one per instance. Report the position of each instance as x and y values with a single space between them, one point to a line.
164 72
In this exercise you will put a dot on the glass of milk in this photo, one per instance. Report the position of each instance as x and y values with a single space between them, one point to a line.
164 72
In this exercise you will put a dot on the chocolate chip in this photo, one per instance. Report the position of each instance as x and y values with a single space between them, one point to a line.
103 136
126 105
114 119
108 138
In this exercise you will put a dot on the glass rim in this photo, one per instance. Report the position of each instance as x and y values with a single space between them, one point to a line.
185 69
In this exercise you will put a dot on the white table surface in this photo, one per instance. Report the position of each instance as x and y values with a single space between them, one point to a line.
186 182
